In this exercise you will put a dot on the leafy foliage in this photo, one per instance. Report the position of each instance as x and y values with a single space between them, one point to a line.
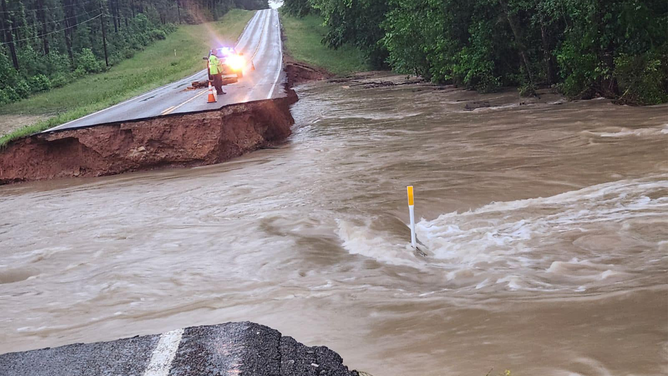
357 22
153 67
47 43
613 48
642 78
298 8
303 43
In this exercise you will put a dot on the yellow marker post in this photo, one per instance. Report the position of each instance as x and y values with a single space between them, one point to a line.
411 212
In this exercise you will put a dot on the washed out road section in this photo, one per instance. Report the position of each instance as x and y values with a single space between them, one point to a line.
180 140
261 45
170 126
546 225
239 348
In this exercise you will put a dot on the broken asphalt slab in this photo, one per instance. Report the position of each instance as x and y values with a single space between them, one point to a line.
238 348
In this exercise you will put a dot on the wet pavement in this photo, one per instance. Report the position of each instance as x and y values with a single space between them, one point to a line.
263 74
234 348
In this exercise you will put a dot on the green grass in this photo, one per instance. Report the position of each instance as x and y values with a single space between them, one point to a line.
303 43
157 65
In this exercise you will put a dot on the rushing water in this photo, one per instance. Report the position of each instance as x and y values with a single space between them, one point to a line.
544 227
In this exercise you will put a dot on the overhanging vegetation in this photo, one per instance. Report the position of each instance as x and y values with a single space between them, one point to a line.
616 48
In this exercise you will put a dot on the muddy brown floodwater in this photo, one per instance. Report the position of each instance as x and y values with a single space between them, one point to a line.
545 227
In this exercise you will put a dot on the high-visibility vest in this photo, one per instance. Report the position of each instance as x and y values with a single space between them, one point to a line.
214 65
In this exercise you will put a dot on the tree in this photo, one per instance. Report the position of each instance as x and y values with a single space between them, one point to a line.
614 48
7 26
50 42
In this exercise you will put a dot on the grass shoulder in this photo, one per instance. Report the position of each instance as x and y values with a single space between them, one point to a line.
304 44
165 61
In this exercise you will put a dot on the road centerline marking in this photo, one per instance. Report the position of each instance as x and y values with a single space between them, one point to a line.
262 22
174 108
262 35
165 111
125 102
164 353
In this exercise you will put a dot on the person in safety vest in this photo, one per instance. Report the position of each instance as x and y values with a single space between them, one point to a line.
216 70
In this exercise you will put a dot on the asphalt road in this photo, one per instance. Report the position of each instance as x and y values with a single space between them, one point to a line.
261 44
241 348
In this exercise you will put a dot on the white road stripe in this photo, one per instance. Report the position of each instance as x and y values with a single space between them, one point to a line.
164 353
280 51
263 35
262 14
266 45
171 109
244 33
142 96
248 25
261 19
249 31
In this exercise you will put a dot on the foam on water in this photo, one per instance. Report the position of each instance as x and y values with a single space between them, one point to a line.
384 247
374 116
585 237
579 240
628 132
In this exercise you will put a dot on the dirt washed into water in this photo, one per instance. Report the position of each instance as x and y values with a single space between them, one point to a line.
545 227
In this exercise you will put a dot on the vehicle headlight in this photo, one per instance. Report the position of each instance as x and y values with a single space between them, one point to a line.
236 62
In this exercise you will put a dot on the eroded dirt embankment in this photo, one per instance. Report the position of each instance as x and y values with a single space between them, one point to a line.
178 140
298 73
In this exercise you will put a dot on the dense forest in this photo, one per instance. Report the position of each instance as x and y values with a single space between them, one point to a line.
47 43
613 48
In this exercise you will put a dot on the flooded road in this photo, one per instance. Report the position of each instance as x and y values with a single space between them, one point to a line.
545 227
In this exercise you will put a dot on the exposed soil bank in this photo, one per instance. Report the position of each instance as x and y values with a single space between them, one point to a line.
298 73
178 140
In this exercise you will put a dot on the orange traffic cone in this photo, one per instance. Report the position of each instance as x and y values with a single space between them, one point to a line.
212 96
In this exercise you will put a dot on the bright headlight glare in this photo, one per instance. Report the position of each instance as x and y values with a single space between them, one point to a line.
236 62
